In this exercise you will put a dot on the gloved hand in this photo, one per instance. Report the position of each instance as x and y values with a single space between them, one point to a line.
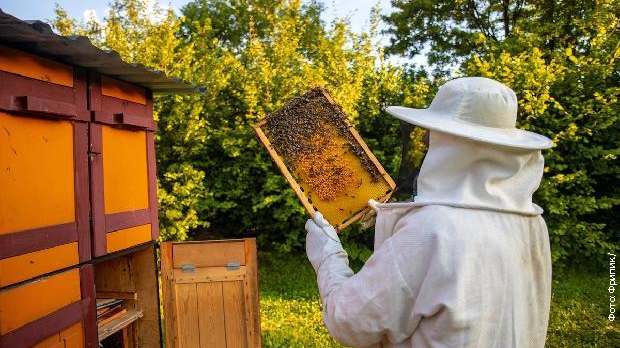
321 240
369 219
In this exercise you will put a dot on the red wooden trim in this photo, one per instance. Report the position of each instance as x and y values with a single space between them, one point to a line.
89 306
32 104
94 91
134 120
105 109
44 99
126 219
124 120
42 328
118 106
152 173
82 208
23 242
81 93
96 190
149 104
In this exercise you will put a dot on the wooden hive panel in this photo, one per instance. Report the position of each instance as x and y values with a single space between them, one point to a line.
123 188
44 223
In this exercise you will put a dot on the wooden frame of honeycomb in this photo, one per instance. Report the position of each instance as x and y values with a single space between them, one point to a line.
323 158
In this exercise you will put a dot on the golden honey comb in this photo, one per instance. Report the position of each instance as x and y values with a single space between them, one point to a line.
323 158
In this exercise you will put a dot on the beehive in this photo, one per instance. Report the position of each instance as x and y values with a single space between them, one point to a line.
323 158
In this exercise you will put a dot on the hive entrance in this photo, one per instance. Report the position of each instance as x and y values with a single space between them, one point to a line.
323 158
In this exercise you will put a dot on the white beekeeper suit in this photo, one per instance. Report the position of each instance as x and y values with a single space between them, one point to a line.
467 263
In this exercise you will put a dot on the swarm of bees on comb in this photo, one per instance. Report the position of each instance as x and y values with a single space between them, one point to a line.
320 153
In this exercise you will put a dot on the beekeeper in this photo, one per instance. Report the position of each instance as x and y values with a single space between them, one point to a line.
467 262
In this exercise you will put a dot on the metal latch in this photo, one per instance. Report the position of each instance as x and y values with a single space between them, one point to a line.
188 268
233 265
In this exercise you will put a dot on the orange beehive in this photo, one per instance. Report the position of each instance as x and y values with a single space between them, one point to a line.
44 223
323 158
78 207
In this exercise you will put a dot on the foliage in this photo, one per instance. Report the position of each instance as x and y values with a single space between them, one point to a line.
216 180
449 30
562 60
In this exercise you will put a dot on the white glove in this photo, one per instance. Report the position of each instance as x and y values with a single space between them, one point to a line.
369 219
321 240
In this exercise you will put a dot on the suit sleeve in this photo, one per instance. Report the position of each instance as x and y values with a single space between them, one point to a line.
374 304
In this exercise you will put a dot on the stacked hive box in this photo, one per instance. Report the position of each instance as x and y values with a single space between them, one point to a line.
123 178
78 207
44 217
59 123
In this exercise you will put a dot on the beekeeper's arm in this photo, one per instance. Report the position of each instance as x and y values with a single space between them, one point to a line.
360 309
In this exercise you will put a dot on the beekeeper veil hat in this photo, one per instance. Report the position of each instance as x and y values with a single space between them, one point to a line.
477 108
477 158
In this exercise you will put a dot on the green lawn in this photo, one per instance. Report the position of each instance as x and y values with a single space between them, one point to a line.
291 316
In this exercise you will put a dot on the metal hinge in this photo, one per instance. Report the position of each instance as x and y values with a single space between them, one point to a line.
188 268
233 265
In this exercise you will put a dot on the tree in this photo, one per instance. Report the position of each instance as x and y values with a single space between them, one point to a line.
561 58
215 178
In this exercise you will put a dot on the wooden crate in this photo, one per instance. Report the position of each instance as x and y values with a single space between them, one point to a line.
123 188
210 292
38 86
44 223
53 308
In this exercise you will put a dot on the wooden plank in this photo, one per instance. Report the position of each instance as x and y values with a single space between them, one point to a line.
211 312
208 254
251 295
29 65
187 316
49 342
144 269
118 324
125 170
168 294
118 295
19 268
211 274
126 238
113 317
31 301
114 275
125 338
75 340
122 90
234 309
36 173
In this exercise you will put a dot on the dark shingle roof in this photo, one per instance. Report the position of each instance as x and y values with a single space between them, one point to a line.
38 38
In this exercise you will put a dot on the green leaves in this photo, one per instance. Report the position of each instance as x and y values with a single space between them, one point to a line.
216 180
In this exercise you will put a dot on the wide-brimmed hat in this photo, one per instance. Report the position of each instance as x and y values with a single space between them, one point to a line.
476 108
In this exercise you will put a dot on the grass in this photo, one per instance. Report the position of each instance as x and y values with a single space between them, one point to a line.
291 311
